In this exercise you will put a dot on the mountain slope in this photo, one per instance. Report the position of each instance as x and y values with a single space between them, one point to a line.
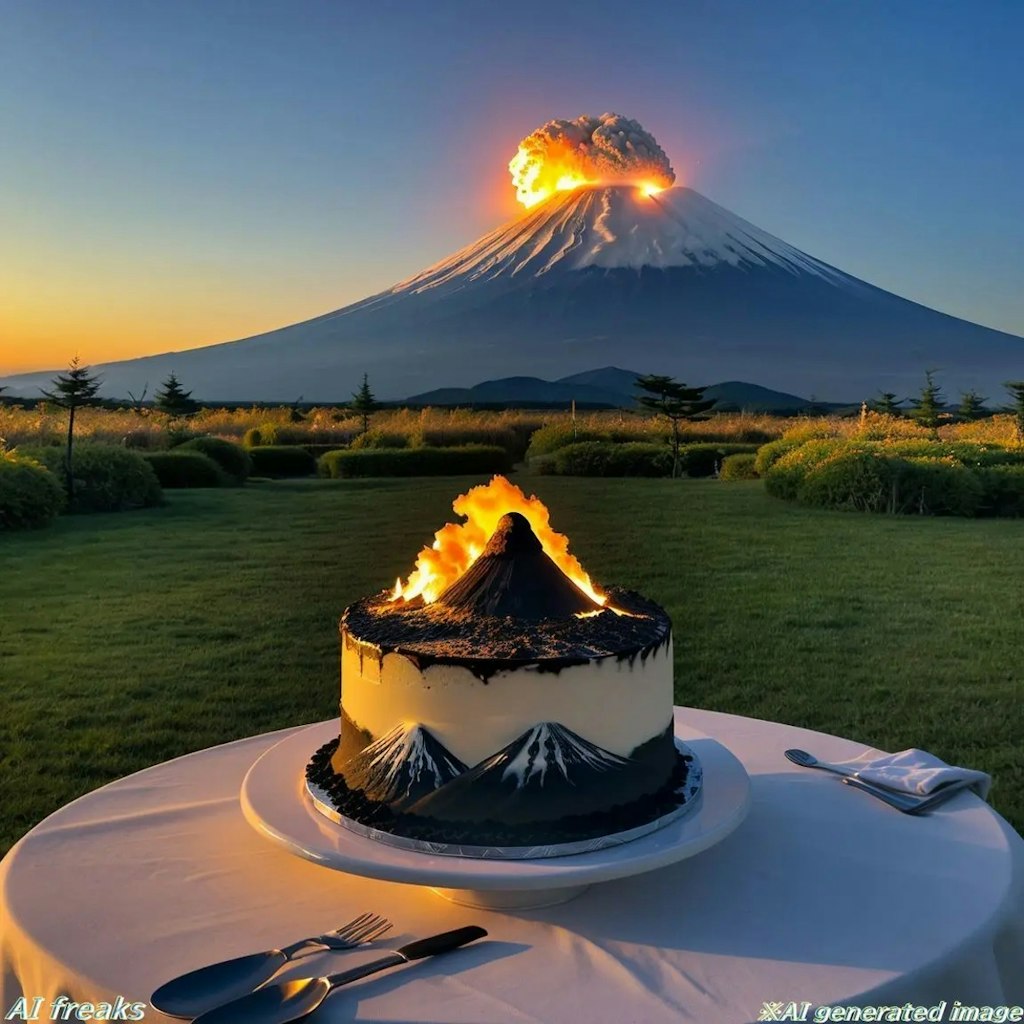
603 275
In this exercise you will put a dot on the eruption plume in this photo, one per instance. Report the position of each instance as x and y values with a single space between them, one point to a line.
610 149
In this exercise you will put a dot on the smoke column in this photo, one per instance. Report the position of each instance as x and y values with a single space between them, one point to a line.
606 149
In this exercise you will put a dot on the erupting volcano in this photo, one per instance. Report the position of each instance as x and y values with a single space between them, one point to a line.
610 264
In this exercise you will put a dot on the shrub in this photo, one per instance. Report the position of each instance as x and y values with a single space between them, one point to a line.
281 461
738 467
597 458
415 461
859 481
550 438
380 439
107 478
937 487
705 459
769 454
186 469
1002 491
30 495
253 437
515 442
232 458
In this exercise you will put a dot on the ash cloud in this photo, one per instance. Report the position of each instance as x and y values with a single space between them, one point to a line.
608 148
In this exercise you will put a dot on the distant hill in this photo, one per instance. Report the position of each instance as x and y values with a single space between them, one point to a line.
609 387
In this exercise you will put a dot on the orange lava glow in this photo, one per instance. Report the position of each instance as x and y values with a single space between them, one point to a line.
648 188
538 176
457 546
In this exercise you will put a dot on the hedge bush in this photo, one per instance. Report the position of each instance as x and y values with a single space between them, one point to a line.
381 439
368 462
180 468
905 476
548 439
738 467
232 458
705 459
1003 491
600 458
281 460
107 478
30 495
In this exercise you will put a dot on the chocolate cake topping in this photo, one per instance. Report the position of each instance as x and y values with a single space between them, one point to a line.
514 577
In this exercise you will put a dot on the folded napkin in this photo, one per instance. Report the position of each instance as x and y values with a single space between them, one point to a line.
914 771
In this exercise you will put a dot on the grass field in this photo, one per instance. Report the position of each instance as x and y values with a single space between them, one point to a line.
129 639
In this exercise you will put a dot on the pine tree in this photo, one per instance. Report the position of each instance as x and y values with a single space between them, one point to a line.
972 405
174 399
72 391
364 403
676 402
1016 389
929 406
886 404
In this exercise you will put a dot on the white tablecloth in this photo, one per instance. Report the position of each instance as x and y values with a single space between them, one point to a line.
822 894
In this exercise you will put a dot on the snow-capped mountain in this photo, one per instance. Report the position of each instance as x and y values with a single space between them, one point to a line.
604 275
402 766
543 775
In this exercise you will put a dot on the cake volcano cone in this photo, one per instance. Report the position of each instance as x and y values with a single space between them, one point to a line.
514 577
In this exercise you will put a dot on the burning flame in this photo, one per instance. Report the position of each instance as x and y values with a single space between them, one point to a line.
539 175
610 149
457 546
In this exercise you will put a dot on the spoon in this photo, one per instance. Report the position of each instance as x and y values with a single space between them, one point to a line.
293 1000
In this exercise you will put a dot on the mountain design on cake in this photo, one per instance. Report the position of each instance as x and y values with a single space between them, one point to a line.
515 577
602 275
545 774
402 766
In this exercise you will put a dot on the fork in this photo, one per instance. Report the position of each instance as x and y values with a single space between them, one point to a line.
904 802
192 994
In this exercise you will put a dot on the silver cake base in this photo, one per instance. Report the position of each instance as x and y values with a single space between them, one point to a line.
689 795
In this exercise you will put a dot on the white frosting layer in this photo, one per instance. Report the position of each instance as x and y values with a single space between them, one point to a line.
616 704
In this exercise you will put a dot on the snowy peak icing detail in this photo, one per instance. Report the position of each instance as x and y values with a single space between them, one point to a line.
550 747
546 774
617 226
402 766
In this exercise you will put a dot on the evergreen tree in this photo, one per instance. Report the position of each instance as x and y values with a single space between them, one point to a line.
676 402
886 403
72 391
928 408
972 405
363 403
1016 389
174 399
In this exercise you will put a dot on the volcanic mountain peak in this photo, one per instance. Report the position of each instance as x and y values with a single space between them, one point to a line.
515 577
612 227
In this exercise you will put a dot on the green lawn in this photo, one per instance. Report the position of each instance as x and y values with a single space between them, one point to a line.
129 639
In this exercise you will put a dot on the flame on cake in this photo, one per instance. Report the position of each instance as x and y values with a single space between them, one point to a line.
457 546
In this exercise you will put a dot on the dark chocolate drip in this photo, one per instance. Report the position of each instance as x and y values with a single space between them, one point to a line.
514 577
486 644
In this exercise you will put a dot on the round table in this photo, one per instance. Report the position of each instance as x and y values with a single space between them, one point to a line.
822 895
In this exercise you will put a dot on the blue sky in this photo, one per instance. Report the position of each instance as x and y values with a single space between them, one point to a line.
174 174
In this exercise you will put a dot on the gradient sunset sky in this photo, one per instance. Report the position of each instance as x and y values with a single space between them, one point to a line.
176 173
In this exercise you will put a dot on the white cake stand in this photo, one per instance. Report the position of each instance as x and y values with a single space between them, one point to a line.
275 802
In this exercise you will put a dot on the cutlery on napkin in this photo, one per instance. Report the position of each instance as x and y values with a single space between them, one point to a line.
915 772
